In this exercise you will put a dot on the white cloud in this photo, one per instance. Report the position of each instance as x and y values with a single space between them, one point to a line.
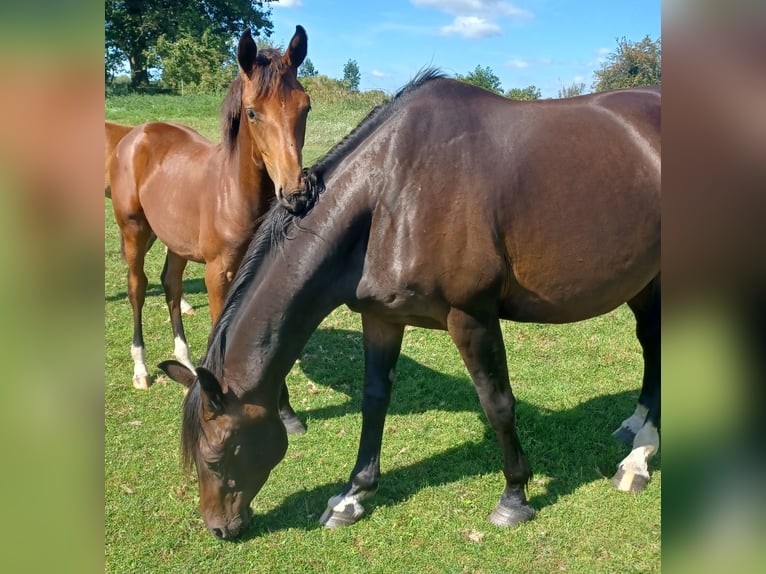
378 74
471 27
475 19
474 7
517 63
287 4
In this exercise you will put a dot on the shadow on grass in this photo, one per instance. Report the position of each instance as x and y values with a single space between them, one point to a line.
155 290
572 446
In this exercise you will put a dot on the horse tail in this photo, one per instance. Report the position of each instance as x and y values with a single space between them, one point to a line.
113 134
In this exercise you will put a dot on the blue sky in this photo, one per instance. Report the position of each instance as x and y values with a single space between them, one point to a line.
547 43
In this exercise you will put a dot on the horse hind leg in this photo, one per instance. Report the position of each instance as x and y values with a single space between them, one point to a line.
186 307
172 277
641 429
134 235
480 343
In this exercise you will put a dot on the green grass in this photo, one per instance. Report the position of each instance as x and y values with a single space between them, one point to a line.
441 464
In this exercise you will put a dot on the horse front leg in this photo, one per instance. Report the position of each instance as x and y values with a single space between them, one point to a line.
382 343
480 342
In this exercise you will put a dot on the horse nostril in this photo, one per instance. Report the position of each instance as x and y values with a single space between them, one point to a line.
218 533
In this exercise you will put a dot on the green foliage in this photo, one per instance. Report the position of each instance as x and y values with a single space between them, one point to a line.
132 28
527 94
351 75
483 77
307 69
631 65
196 66
572 90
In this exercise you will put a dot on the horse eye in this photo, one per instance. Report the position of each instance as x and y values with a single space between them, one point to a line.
251 113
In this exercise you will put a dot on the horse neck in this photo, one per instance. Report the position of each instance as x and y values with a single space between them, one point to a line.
296 286
253 181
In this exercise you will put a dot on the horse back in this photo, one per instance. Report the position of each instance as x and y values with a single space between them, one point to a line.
550 209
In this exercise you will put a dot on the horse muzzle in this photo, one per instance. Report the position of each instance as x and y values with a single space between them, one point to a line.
298 202
233 528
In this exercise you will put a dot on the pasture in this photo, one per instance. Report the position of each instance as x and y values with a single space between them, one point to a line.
441 464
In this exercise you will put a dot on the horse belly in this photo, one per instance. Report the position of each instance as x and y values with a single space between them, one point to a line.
576 296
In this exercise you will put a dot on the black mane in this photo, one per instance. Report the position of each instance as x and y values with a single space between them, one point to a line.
372 121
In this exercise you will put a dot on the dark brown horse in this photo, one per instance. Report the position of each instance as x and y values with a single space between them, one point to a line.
203 200
447 208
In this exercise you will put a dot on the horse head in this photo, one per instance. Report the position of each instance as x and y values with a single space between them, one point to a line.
233 444
274 111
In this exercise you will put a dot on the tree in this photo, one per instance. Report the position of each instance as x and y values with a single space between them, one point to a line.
524 94
572 90
351 75
484 78
196 65
632 64
133 27
307 69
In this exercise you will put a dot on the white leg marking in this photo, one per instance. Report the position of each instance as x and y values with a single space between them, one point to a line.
182 354
344 510
634 422
186 307
140 372
645 445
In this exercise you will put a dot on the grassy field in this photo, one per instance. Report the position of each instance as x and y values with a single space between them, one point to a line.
441 464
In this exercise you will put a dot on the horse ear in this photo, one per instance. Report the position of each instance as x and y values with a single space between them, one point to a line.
296 51
213 390
246 52
178 372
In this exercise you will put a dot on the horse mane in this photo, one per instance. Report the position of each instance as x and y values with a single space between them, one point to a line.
372 121
268 69
274 229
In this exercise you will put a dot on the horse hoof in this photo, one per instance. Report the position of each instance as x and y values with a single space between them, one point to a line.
628 481
141 382
624 435
293 425
341 511
505 516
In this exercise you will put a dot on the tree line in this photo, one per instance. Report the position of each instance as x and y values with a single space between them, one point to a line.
632 64
192 44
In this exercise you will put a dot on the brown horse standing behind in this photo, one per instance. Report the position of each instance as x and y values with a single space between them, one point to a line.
203 200
113 133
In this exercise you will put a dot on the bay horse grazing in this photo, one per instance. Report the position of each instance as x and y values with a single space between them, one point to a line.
450 208
203 200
